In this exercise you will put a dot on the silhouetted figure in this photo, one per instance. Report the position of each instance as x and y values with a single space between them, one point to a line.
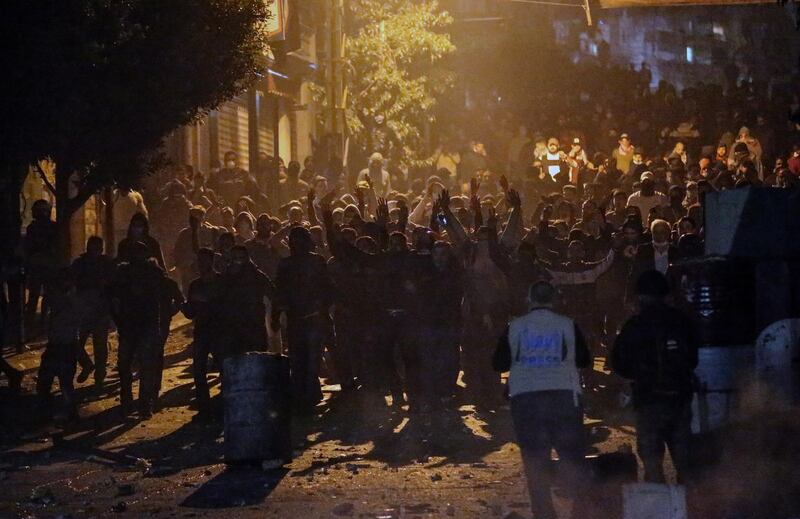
657 349
139 231
59 357
242 309
92 272
138 291
305 294
40 246
202 304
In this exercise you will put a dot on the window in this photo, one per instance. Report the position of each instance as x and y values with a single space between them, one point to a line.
689 55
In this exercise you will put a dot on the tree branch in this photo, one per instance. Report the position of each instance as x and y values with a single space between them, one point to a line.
43 176
85 191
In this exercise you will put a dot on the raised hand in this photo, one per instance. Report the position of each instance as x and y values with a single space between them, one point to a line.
444 200
513 199
504 183
382 211
475 202
402 221
327 200
474 186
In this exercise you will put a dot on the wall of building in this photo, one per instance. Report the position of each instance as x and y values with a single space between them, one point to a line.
277 114
687 45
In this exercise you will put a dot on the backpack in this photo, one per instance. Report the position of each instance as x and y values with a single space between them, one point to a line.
669 372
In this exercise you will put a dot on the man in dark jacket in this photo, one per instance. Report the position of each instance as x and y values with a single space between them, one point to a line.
40 242
201 306
657 349
304 292
242 305
138 292
657 255
92 272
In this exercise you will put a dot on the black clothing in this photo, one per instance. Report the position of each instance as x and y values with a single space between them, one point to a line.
264 256
58 361
544 420
644 261
93 276
153 247
303 286
41 240
657 349
138 294
202 303
242 311
305 292
659 424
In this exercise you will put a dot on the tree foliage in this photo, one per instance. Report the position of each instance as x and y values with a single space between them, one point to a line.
97 84
394 67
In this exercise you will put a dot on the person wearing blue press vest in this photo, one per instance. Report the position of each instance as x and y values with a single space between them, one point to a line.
543 351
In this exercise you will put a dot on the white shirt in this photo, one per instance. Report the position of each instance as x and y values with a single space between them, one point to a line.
554 169
646 203
382 185
661 259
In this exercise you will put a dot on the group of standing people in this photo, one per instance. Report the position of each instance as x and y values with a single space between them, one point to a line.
403 290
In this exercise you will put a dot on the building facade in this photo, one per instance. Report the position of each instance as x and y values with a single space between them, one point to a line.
276 115
685 45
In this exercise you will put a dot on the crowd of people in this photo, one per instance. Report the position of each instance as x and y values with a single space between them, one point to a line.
397 282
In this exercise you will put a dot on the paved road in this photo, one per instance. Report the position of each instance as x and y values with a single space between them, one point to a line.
349 462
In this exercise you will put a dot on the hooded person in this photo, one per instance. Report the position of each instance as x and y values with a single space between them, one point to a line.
139 232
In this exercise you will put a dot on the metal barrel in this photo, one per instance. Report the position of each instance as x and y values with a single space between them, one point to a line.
257 396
